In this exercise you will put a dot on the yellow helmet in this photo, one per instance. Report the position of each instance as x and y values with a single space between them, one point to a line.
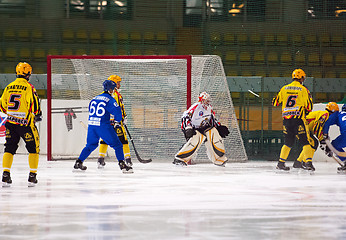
114 78
298 73
332 107
23 69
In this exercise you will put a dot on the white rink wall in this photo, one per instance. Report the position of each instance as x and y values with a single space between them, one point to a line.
64 141
72 142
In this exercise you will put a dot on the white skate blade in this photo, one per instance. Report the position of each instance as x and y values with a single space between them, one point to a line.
78 170
30 184
99 166
311 172
4 184
127 172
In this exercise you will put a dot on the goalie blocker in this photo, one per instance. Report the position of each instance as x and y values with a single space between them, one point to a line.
213 142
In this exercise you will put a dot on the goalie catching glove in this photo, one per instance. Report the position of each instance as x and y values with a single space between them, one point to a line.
223 131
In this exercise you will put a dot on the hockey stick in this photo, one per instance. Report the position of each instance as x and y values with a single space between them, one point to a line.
83 124
338 161
341 154
134 148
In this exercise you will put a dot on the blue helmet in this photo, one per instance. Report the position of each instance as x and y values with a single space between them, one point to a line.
109 85
343 108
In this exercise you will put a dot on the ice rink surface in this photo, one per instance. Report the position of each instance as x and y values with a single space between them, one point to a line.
162 201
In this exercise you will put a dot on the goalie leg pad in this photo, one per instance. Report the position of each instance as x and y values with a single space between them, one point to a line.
215 147
190 149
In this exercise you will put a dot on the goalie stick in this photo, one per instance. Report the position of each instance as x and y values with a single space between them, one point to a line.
341 154
134 148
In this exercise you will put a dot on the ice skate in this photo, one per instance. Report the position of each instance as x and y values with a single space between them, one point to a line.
78 166
6 179
101 162
281 166
342 169
179 162
124 168
222 164
32 181
308 166
128 161
297 164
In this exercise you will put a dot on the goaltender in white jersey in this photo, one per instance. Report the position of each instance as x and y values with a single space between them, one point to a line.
200 125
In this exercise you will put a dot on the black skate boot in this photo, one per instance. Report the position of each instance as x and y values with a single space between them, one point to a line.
101 162
308 166
179 162
32 181
6 179
128 161
282 166
297 164
342 169
124 168
79 165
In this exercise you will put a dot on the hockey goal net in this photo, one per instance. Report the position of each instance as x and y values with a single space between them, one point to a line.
156 91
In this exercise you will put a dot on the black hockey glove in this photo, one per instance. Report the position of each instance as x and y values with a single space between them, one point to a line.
328 152
113 122
323 145
325 148
38 118
189 132
223 131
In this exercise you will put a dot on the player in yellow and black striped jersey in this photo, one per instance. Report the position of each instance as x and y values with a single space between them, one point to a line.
118 127
296 103
22 106
316 121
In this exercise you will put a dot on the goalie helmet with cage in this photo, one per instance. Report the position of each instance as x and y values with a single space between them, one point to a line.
332 107
204 98
23 69
343 108
109 85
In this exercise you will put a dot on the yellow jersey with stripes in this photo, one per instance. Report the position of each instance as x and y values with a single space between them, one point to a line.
20 102
119 99
316 121
296 100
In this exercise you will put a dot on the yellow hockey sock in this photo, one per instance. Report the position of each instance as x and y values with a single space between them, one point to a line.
33 162
308 152
126 149
285 151
103 150
7 161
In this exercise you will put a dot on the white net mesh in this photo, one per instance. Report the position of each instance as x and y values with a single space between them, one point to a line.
155 96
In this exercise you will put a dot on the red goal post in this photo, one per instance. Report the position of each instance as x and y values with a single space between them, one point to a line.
153 87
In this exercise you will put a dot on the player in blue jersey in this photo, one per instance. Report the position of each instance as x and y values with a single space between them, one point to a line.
338 143
99 126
